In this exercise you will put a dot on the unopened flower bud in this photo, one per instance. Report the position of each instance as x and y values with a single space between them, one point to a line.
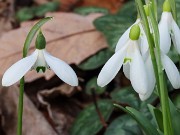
134 32
40 41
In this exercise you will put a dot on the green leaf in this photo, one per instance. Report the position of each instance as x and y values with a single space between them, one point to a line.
143 121
123 125
176 101
87 122
96 60
49 7
113 26
28 13
89 10
175 115
25 14
92 84
126 96
157 116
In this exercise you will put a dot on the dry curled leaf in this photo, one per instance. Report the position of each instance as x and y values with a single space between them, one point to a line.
34 123
69 36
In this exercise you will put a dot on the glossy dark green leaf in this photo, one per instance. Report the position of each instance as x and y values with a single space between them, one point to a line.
88 122
126 96
96 60
89 10
123 125
143 121
25 14
28 13
92 84
157 116
175 115
113 26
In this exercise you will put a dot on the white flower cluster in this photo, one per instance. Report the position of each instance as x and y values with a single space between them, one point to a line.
135 58
132 52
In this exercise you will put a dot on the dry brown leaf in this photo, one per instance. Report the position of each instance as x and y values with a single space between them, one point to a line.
58 110
112 5
34 122
69 36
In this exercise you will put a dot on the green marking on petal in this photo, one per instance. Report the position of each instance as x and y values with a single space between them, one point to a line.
41 69
127 59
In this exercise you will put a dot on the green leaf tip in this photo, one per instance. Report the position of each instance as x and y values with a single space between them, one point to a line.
146 9
166 6
40 41
134 32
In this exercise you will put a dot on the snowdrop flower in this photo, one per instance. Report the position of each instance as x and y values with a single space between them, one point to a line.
134 68
40 60
170 69
168 29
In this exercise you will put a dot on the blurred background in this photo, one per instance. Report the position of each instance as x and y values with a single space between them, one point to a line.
84 34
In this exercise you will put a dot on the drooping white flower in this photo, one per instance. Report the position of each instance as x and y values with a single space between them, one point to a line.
133 65
168 29
171 71
40 60
143 45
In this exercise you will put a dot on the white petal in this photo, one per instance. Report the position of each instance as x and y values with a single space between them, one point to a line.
138 75
124 38
165 40
19 69
144 44
112 67
171 71
176 36
61 69
126 70
151 79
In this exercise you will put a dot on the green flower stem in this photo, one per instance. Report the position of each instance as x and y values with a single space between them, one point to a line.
20 107
163 93
142 13
173 8
27 43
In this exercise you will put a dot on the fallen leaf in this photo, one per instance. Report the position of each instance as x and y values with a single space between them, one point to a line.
34 123
6 15
112 5
69 36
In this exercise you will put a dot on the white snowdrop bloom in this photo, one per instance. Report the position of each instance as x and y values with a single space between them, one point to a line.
143 43
171 71
168 29
40 60
133 65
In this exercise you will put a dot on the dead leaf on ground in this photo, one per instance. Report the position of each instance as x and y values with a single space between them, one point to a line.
34 122
69 36
112 5
6 15
59 106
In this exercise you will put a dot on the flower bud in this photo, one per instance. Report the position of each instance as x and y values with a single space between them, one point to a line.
134 32
40 41
166 6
